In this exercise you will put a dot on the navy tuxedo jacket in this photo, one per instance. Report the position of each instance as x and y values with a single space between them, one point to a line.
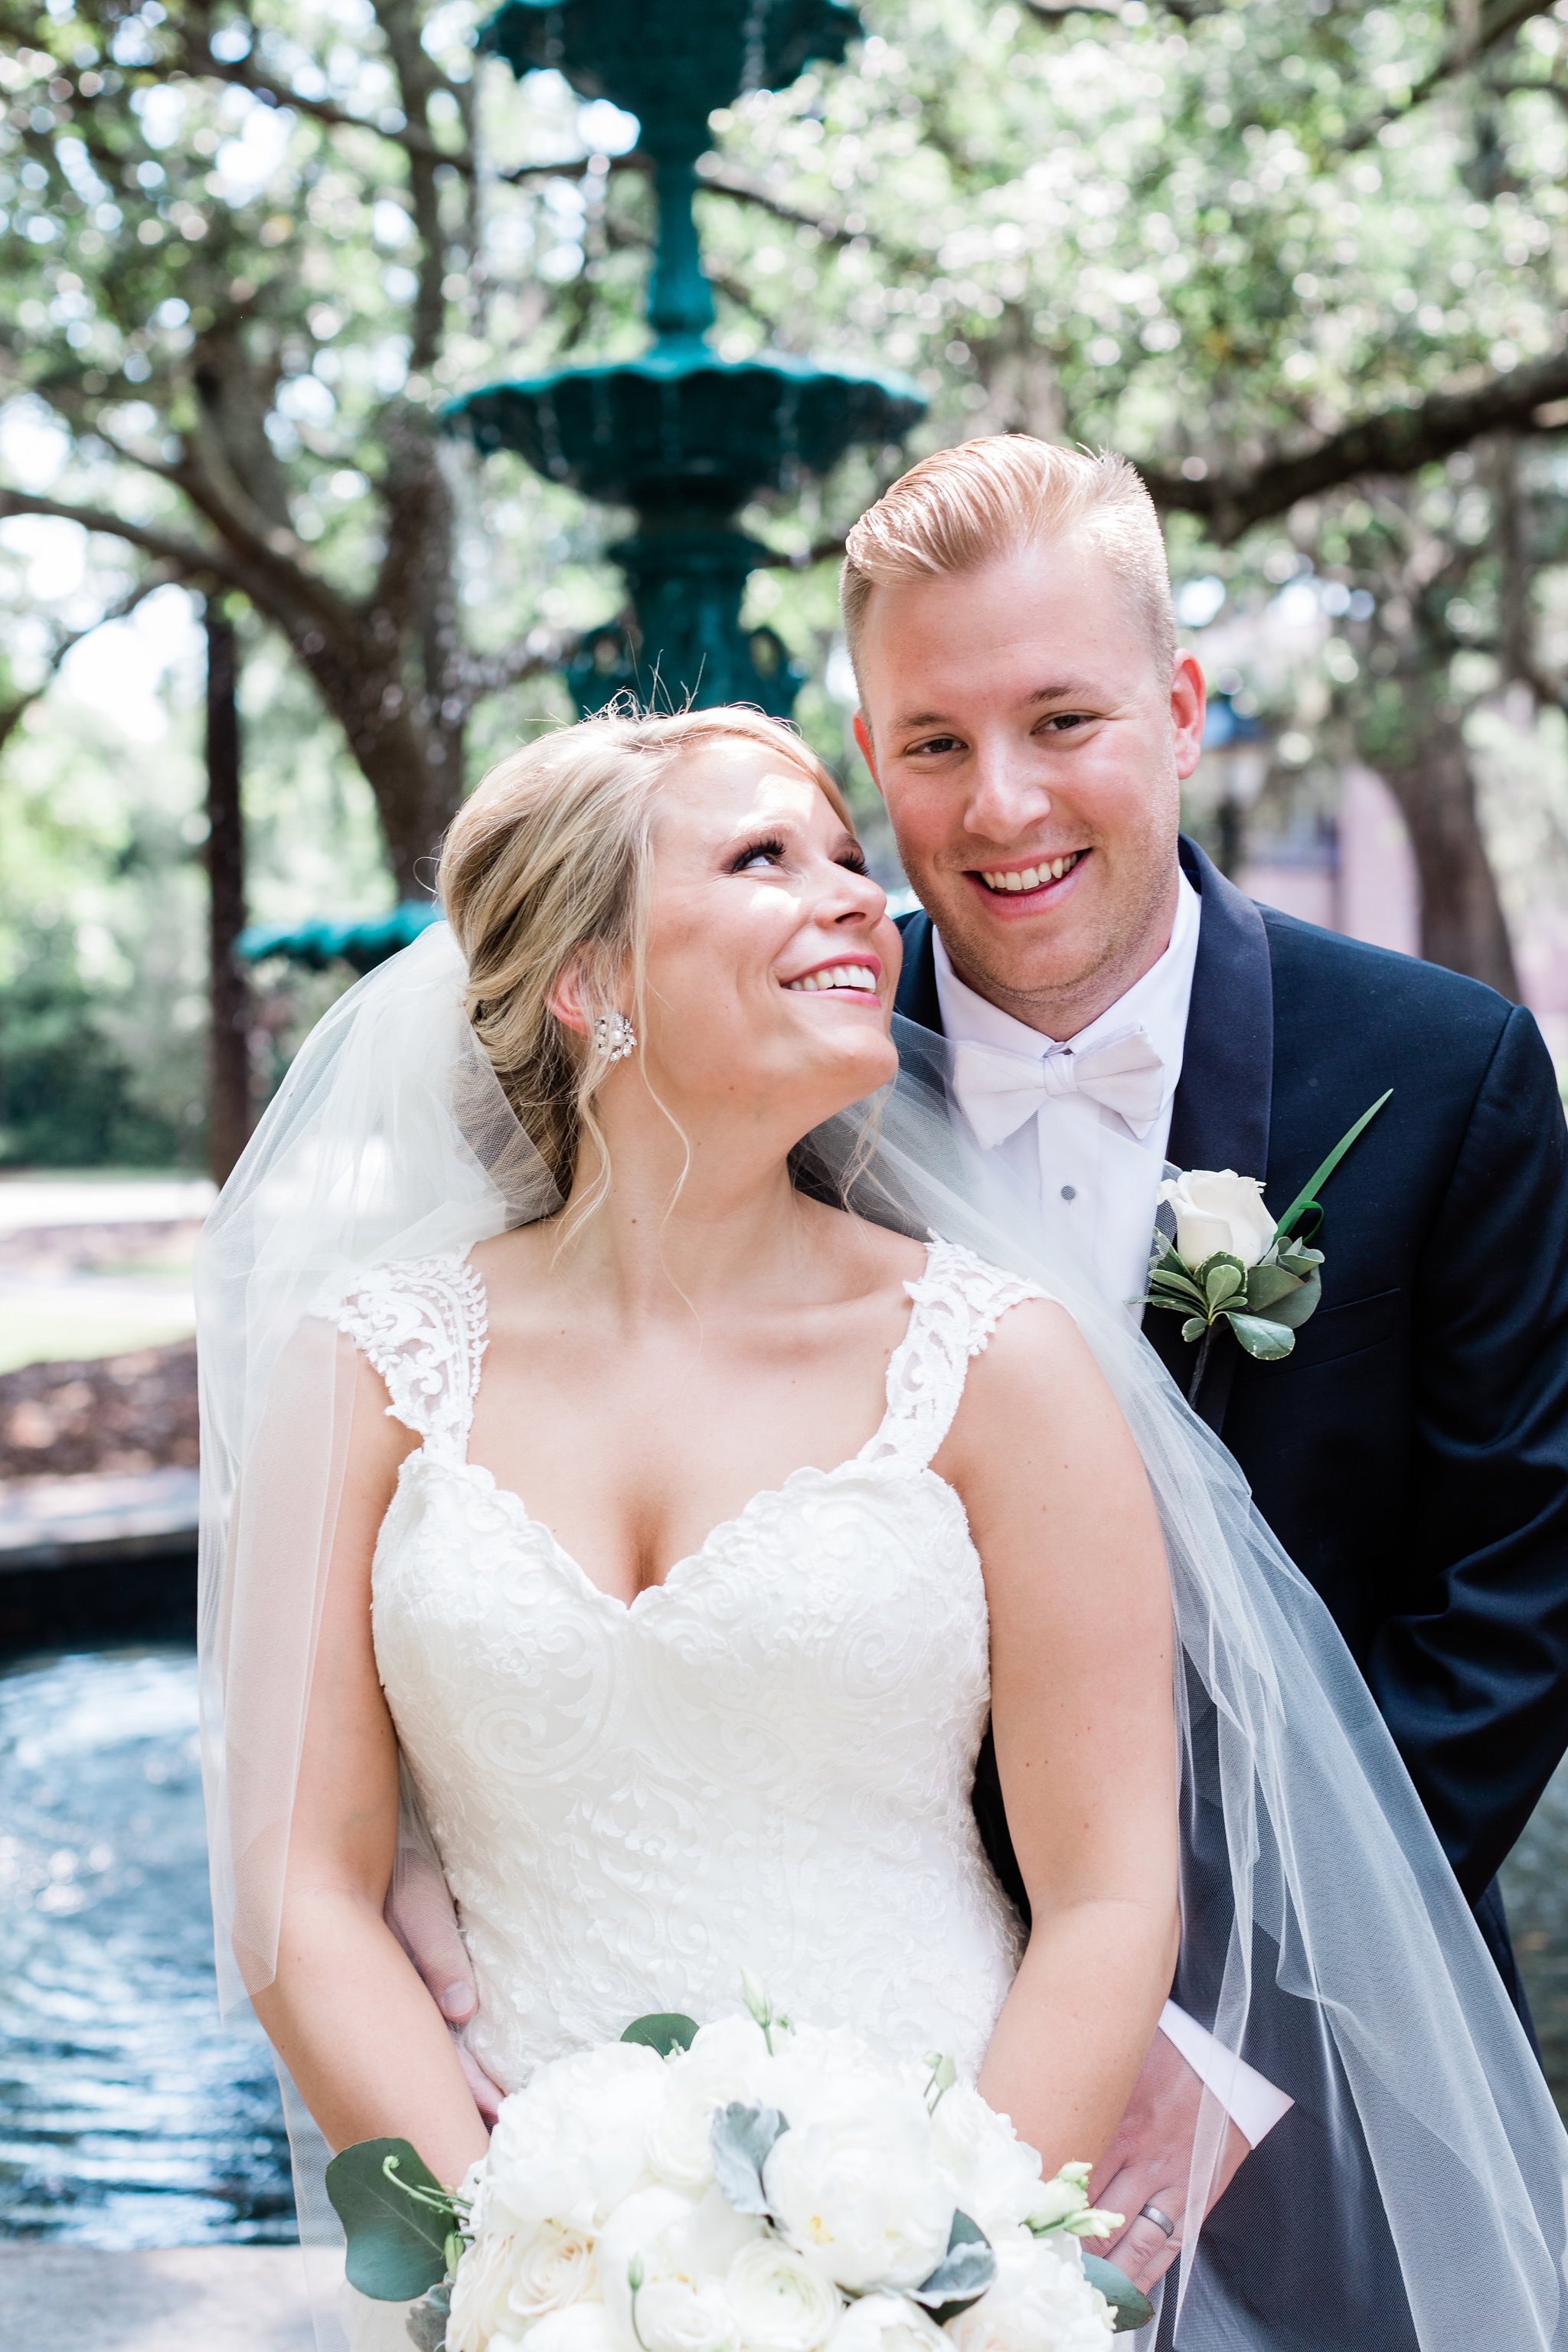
1412 1453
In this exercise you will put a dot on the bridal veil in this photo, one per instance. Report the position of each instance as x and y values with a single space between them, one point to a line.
1325 1937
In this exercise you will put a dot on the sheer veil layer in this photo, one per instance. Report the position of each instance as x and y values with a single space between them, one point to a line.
1325 1938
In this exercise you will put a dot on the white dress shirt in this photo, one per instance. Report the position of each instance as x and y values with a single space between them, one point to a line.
1096 1178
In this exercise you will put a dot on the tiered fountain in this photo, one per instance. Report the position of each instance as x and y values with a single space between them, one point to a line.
681 435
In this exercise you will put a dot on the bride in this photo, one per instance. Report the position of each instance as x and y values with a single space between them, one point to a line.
630 1471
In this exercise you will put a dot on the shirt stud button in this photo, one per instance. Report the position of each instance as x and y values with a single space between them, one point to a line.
1069 1192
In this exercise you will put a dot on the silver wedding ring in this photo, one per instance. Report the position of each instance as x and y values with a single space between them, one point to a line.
1160 2220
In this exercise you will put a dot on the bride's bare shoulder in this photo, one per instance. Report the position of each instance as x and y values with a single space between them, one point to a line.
870 1256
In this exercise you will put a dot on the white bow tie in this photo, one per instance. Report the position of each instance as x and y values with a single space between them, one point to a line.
998 1090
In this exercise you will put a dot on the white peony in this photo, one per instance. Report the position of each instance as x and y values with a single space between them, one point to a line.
1041 2301
573 2144
885 2323
727 2061
581 2327
855 2189
1218 1210
994 2175
779 2302
675 2239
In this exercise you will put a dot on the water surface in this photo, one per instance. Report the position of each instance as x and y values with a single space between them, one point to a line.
129 2115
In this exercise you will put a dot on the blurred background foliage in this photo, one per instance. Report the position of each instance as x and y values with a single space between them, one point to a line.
1304 263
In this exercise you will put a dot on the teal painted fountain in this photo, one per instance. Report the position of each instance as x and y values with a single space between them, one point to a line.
680 435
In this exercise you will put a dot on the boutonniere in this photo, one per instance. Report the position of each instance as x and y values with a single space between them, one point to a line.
1230 1262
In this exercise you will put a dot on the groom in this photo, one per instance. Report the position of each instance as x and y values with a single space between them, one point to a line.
1113 1004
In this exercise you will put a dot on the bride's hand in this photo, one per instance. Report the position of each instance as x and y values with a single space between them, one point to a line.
1147 2164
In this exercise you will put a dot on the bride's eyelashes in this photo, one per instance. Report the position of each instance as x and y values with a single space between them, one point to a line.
771 851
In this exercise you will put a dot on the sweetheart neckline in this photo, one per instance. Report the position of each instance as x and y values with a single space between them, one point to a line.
476 1471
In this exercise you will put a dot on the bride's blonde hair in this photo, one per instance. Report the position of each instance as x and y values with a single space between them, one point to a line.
548 870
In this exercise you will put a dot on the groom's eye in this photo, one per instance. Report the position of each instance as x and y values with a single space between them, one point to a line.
1061 722
936 743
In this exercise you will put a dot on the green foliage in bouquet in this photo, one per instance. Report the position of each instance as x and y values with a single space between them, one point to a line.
667 2031
404 2232
1134 2309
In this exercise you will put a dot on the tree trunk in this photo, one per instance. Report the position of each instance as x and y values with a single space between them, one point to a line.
228 1082
1462 923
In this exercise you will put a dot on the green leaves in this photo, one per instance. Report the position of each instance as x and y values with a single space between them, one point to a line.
665 2031
1304 1199
1132 2309
741 2138
396 2216
961 2276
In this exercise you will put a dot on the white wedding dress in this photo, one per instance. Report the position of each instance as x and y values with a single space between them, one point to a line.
767 1760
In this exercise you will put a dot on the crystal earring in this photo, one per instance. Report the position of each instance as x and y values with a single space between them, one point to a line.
614 1035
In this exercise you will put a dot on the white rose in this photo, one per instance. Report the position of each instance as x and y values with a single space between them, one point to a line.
677 2238
553 2270
728 2061
781 2303
1218 1210
479 2292
854 2190
675 2317
995 2176
581 2327
1041 2299
574 2142
885 2323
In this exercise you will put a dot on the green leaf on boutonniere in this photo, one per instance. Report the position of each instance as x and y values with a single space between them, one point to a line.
1267 1285
1262 1337
1305 1200
1195 1330
1302 1302
396 2216
1223 1280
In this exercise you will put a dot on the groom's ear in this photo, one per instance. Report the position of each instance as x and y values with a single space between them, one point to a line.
863 736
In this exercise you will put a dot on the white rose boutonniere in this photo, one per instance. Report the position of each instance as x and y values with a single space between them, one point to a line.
1229 1262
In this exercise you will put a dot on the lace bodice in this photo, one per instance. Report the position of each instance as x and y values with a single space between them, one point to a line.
767 1759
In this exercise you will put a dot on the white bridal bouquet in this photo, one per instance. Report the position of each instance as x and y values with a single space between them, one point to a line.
754 2186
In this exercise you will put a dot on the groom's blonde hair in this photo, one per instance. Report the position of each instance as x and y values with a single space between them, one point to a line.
548 869
960 508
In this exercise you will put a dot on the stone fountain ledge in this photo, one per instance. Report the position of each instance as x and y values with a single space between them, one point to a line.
158 2299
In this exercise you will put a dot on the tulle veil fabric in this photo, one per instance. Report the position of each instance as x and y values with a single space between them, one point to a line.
1324 1934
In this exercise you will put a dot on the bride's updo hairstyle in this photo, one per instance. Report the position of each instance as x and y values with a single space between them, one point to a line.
548 868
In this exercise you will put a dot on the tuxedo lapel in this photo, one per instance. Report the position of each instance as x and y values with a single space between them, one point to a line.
1221 1115
917 998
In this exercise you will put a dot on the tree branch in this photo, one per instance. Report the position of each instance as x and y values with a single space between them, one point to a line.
1497 20
186 558
1395 441
13 713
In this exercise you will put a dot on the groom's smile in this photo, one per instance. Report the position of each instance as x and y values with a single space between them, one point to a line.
1030 743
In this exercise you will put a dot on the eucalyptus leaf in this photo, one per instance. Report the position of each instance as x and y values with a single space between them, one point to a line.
1267 1284
964 2272
1263 1338
1223 1282
1132 2309
397 2243
1295 1310
741 2139
666 2032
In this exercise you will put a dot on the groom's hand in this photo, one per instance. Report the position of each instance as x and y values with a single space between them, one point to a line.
1148 2163
421 1914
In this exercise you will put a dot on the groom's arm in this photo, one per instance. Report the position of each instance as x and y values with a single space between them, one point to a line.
1470 1677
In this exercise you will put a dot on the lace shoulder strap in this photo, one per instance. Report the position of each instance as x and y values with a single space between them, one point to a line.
421 1325
957 1304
